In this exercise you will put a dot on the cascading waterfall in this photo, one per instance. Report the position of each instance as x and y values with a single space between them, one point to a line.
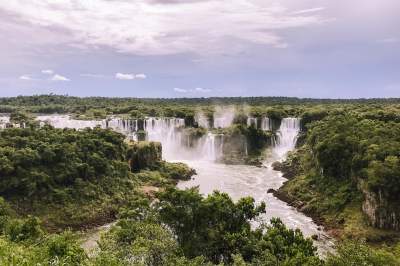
202 120
210 148
252 121
165 130
168 131
4 120
266 124
286 137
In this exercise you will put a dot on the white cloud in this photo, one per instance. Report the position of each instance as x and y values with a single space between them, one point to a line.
180 90
309 10
202 90
124 76
140 76
26 77
149 27
58 77
47 71
130 76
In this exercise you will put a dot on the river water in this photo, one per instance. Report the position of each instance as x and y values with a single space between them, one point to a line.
236 180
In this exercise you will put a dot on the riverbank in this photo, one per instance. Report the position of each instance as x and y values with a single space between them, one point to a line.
324 204
299 205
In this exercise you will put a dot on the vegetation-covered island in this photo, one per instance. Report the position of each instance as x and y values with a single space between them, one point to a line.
58 183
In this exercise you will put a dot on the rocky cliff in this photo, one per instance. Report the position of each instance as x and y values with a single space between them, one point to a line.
381 212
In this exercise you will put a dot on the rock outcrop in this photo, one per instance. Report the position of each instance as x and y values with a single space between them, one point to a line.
143 155
381 212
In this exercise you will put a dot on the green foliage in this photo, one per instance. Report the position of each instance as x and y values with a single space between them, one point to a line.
18 117
77 178
38 161
242 144
60 249
345 147
143 154
176 171
186 229
215 227
140 243
23 229
285 244
64 248
356 253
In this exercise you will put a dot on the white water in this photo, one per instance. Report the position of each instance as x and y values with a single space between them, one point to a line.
223 116
202 120
4 120
286 137
252 121
168 131
266 123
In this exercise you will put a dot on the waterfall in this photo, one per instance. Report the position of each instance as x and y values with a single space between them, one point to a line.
210 148
202 120
4 120
128 127
286 137
65 121
266 124
168 131
252 121
223 116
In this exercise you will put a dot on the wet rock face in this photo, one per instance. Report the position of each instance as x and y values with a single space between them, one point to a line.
381 213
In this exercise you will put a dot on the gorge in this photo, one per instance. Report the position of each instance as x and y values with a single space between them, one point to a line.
203 155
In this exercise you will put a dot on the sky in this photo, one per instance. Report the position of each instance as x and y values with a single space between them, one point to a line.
200 48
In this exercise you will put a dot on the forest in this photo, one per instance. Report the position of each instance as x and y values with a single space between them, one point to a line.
56 183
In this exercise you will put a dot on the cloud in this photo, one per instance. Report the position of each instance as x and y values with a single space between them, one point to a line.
309 10
123 76
58 77
140 76
180 90
154 28
26 77
47 71
202 90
